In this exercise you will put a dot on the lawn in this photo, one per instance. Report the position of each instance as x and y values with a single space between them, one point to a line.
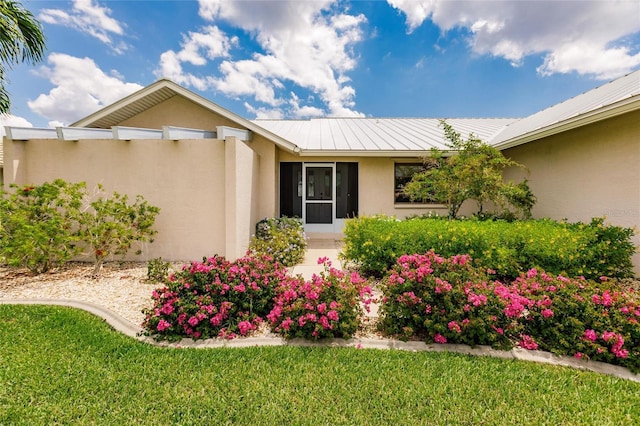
65 366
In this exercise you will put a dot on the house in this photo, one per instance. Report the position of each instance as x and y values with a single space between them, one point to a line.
215 174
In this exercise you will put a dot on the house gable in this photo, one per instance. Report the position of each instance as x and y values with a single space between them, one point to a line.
180 112
124 111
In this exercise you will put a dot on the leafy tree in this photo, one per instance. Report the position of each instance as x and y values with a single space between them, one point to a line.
38 225
473 172
21 40
44 226
111 224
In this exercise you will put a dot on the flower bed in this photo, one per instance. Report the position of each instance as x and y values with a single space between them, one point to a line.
445 300
219 298
326 306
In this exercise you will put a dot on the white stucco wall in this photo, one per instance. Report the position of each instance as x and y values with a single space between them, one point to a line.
186 179
592 171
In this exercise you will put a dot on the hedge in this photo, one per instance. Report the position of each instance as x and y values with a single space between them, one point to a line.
592 250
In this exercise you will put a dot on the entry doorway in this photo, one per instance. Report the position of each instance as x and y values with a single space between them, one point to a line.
322 194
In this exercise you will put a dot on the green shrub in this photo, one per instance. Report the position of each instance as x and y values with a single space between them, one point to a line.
441 300
47 225
281 238
157 270
329 305
111 224
574 249
214 298
447 300
39 224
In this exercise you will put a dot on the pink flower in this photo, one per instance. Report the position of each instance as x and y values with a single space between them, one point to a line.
244 327
193 321
590 335
527 342
322 308
324 322
324 260
240 288
454 326
163 325
621 353
286 324
578 355
547 313
439 338
609 336
532 273
333 315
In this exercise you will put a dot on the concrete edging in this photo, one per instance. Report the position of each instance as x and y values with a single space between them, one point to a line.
126 327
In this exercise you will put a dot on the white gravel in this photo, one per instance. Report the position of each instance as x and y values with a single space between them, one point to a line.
121 288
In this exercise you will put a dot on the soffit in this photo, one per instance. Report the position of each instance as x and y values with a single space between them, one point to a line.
137 106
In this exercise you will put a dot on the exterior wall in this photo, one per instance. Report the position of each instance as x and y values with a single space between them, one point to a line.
375 185
180 112
186 179
592 171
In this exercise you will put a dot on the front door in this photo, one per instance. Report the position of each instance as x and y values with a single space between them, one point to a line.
318 213
324 195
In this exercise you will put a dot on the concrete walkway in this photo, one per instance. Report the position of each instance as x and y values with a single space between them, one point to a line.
317 248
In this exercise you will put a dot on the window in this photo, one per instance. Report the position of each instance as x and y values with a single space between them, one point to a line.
403 174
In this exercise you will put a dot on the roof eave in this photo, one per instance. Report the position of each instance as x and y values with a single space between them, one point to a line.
194 97
609 111
364 153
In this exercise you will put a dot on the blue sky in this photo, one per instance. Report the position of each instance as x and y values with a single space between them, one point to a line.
301 59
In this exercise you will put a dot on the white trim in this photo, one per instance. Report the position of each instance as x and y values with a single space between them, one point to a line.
609 111
129 133
177 133
148 92
75 133
225 131
26 133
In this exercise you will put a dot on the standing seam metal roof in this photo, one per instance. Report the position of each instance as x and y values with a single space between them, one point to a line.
377 134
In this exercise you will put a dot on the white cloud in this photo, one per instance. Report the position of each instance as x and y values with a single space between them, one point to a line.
197 48
81 88
305 43
91 18
12 120
573 36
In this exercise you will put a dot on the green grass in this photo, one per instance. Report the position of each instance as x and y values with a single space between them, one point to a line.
65 366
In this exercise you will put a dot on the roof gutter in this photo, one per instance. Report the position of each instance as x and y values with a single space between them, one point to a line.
367 153
619 108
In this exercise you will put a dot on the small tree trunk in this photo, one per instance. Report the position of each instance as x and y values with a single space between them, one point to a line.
97 268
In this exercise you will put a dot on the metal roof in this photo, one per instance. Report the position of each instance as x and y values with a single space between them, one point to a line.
623 94
389 135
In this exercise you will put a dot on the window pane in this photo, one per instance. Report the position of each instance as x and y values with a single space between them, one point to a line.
403 174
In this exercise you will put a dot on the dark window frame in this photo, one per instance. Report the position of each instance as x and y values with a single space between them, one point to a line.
400 181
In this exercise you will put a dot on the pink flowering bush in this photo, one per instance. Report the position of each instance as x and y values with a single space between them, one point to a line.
329 305
215 298
576 317
446 300
441 300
